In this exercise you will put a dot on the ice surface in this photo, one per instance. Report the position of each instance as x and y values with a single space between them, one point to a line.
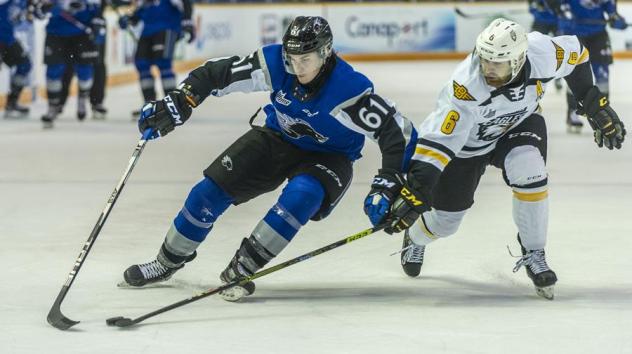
355 299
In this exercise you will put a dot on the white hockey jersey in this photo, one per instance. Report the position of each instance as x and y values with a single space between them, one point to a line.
471 116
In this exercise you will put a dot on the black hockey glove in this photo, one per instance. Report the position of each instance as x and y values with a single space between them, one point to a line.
384 190
406 209
608 128
164 115
189 29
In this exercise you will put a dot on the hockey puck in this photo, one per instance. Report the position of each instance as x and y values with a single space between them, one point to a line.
119 321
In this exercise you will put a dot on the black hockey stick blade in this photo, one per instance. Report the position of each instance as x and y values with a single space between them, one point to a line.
57 319
119 321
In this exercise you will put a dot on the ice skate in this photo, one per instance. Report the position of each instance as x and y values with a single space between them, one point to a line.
573 123
136 115
543 277
412 256
99 112
158 270
15 111
49 117
233 272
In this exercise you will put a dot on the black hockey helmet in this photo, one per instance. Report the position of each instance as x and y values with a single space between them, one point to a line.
307 34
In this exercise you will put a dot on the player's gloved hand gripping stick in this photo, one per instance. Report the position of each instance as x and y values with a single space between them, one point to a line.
55 317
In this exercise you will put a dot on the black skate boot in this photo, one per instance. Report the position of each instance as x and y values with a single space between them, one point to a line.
158 270
543 277
15 111
234 271
99 112
412 256
49 117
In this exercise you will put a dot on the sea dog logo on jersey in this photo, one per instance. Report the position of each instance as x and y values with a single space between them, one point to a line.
495 128
280 97
297 128
227 162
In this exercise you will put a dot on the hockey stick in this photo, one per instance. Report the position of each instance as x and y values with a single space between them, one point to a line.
486 15
70 18
517 12
55 317
126 322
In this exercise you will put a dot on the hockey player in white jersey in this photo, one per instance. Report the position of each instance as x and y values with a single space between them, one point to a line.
489 114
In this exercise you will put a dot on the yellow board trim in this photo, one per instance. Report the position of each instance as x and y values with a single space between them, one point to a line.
531 197
435 155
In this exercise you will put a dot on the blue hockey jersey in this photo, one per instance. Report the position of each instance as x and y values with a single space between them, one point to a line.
160 15
336 119
587 17
10 11
542 12
64 12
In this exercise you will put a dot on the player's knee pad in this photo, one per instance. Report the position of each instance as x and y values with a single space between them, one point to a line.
24 68
300 200
205 203
85 74
442 223
55 71
302 197
525 167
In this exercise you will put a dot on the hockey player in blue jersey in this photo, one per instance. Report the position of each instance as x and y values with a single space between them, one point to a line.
544 16
164 23
69 41
14 56
319 115
587 19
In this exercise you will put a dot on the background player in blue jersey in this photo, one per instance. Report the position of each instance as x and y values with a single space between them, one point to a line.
164 22
544 16
70 41
319 115
587 19
13 55
97 92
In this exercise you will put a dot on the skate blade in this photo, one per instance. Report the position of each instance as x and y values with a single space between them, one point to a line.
15 115
572 129
234 294
98 116
47 125
546 292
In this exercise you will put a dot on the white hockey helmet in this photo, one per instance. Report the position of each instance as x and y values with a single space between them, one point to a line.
503 42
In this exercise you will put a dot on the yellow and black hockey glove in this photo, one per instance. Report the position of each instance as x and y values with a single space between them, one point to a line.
608 128
406 209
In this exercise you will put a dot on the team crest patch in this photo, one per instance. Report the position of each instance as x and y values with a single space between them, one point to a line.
559 55
461 93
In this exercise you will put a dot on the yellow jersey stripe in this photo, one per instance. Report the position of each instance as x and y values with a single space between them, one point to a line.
432 154
583 57
531 197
